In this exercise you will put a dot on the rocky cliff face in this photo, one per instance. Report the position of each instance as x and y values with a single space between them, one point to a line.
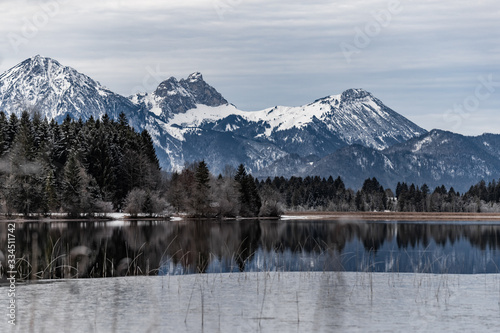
173 97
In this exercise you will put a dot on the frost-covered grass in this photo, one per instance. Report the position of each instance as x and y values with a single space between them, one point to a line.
261 302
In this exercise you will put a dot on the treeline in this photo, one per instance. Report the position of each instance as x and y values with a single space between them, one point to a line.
315 193
479 198
235 193
309 193
75 167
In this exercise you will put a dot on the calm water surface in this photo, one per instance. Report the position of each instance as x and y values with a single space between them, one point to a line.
265 300
105 249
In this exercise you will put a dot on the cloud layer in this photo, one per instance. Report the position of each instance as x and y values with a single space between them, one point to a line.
425 59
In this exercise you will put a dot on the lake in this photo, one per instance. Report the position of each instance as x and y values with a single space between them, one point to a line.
117 248
265 276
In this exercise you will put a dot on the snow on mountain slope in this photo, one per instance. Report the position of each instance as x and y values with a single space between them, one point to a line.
44 85
352 117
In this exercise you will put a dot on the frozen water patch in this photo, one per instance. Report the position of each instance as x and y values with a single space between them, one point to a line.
263 302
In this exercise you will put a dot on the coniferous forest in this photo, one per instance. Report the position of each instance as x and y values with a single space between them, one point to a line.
102 165
74 167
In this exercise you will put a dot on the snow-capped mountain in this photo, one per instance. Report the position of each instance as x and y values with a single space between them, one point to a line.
43 84
258 138
436 158
355 116
189 120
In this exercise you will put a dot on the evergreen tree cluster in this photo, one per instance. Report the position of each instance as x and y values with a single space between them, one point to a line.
411 198
249 199
487 193
309 193
371 197
73 167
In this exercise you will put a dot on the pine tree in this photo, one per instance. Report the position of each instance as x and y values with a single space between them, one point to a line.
106 120
149 150
359 201
4 127
24 141
202 176
72 186
241 174
255 201
50 192
201 196
122 120
12 129
98 161
249 199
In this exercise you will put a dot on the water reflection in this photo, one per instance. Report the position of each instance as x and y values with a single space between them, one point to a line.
89 249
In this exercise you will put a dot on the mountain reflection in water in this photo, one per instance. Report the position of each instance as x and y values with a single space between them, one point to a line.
100 249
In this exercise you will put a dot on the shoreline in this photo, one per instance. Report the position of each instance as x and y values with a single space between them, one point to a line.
287 216
391 216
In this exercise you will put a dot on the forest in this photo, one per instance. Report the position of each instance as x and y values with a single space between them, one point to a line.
103 165
77 168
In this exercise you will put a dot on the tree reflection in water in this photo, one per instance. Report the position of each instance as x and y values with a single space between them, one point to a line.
100 249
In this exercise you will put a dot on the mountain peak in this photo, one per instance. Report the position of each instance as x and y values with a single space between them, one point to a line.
194 77
355 93
39 60
202 91
178 96
167 87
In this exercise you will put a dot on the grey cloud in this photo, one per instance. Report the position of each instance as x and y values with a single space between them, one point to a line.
263 53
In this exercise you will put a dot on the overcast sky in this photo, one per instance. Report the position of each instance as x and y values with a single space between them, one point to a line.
435 62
